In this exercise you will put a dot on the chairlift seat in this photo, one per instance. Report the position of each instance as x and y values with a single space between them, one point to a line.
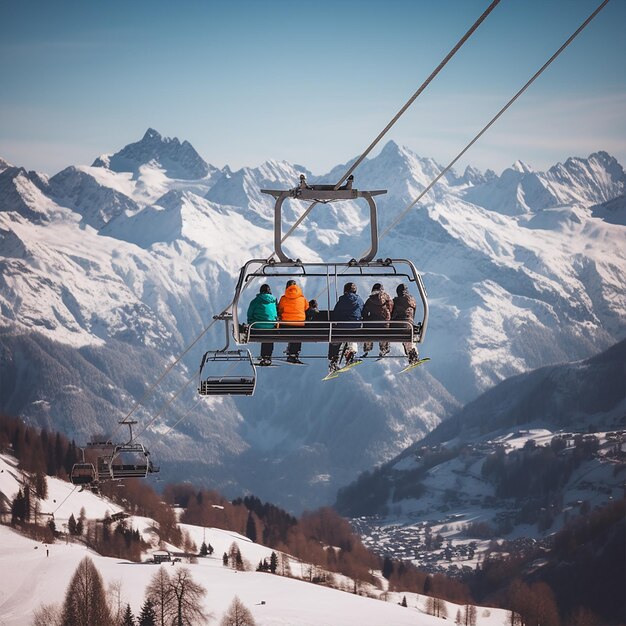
227 386
236 384
336 332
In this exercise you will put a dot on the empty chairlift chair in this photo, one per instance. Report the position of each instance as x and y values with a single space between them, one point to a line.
227 373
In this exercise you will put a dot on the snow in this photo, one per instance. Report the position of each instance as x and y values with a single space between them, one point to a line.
30 578
520 272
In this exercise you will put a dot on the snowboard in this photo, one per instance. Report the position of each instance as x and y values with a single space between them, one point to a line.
417 363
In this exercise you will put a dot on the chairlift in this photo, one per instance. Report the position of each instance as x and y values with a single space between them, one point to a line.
323 329
124 460
83 474
240 376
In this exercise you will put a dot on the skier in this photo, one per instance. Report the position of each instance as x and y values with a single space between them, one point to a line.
262 310
404 306
292 307
349 308
377 307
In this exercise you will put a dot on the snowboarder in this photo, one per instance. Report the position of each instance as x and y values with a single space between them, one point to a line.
263 312
404 306
292 307
349 308
377 307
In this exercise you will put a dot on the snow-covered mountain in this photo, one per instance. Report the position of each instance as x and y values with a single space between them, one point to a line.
178 160
110 271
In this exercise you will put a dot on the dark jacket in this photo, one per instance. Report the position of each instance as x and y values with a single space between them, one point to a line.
349 307
403 307
261 309
378 306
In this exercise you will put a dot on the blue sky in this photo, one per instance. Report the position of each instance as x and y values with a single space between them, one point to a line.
309 82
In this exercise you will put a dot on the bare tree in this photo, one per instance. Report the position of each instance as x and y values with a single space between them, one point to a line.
85 599
238 614
160 592
187 599
114 599
47 615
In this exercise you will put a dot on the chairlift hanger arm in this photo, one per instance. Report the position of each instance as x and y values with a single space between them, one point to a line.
324 194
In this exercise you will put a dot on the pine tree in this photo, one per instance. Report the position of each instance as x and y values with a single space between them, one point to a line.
204 549
41 485
147 617
251 528
225 559
387 569
128 619
403 603
273 562
71 525
210 549
27 506
17 507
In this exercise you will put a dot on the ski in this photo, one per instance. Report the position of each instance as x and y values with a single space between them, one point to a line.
416 364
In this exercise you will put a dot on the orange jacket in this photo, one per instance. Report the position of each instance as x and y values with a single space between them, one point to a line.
292 305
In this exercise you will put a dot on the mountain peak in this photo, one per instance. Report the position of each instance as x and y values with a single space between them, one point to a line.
177 160
4 164
522 168
152 134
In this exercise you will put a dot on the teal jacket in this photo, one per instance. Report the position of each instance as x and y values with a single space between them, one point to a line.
263 309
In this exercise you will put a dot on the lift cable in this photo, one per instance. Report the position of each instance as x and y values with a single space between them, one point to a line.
403 214
171 428
64 500
408 103
422 87
431 184
160 412
492 121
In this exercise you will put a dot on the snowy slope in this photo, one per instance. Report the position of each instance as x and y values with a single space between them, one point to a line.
29 578
516 280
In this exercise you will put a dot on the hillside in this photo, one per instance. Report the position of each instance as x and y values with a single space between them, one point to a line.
29 577
521 461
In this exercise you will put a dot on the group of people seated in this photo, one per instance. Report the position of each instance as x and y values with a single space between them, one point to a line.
265 311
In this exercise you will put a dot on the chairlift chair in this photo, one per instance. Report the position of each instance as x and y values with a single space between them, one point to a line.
83 474
126 460
321 330
231 383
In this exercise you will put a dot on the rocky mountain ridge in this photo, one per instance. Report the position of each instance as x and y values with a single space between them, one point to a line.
94 258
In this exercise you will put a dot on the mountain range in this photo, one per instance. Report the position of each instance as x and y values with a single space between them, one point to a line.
108 272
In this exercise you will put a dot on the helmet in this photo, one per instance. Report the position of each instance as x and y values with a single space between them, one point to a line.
265 289
349 288
401 289
377 287
291 282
